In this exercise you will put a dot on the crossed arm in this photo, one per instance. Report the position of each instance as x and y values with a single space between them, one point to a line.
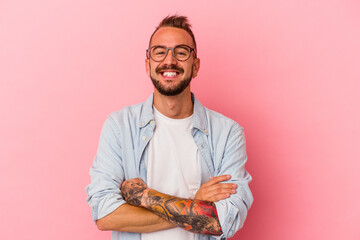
148 210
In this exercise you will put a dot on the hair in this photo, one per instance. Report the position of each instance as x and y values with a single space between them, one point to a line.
176 21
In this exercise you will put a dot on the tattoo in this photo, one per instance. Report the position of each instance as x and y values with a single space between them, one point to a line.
193 215
133 190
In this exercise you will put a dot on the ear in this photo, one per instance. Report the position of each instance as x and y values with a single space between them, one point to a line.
147 66
196 67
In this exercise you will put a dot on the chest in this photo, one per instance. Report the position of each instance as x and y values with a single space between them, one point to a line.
135 153
173 161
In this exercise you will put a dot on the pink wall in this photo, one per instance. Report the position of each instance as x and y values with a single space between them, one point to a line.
288 71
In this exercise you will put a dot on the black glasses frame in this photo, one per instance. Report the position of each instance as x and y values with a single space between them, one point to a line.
148 52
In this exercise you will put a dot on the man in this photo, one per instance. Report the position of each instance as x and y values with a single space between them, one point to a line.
169 168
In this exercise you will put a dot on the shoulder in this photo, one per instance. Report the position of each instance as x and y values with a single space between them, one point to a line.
215 122
126 118
220 121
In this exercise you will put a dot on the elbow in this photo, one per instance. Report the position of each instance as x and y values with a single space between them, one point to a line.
102 225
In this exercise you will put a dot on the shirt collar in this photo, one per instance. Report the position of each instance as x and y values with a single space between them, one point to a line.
199 119
147 114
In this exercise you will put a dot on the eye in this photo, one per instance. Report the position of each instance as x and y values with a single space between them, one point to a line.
158 51
182 51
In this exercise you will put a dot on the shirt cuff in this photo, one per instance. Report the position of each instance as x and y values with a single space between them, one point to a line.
227 214
106 205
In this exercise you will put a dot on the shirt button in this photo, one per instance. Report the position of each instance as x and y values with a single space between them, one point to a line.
205 130
143 138
151 122
142 124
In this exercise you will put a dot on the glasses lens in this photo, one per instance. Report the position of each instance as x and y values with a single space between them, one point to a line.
182 53
158 53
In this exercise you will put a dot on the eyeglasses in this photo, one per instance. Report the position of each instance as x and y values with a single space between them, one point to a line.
181 52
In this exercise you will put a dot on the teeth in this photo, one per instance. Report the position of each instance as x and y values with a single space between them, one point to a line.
169 74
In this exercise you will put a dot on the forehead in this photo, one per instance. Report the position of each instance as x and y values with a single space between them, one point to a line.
171 36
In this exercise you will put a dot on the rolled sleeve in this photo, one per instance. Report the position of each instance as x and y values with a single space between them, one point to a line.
106 173
232 211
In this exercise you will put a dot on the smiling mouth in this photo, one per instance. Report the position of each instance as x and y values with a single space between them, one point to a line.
169 73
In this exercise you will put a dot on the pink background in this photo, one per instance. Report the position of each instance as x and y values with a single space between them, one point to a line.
287 70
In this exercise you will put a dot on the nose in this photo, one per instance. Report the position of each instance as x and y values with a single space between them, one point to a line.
170 59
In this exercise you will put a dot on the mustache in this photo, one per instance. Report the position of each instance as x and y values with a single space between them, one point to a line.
169 67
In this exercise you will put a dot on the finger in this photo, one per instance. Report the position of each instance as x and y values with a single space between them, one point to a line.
219 191
223 192
221 186
218 179
219 197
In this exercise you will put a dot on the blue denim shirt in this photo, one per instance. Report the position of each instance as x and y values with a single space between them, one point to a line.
122 155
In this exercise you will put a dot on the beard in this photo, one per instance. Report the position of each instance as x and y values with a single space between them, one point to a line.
175 90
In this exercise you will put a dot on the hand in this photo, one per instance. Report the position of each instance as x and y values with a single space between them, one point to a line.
214 191
133 190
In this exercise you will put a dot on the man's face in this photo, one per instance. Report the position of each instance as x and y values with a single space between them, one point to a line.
170 76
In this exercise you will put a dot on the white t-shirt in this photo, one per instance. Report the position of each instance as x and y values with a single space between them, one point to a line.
173 167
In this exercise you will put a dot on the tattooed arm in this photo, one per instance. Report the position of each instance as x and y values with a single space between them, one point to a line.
197 216
128 218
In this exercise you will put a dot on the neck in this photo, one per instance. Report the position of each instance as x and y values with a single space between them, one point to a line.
179 106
